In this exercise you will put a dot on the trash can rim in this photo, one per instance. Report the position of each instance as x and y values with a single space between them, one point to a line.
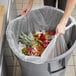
56 58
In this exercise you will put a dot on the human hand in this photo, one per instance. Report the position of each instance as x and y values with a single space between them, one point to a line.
26 10
60 29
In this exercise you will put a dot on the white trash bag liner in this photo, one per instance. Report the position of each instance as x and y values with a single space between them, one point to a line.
56 47
45 18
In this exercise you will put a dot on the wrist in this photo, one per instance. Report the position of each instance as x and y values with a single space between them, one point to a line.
63 21
30 2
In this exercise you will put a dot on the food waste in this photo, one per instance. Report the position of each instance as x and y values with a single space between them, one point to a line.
36 43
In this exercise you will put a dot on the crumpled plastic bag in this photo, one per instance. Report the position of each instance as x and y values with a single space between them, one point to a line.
55 48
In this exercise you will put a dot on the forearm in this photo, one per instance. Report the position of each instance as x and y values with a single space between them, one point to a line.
30 2
68 10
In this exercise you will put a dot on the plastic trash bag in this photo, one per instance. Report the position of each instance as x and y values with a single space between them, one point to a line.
56 47
45 18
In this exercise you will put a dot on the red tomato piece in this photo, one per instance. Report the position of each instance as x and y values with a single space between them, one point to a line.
51 33
42 37
30 51
39 53
46 42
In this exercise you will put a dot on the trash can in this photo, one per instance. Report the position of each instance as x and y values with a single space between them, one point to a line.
45 18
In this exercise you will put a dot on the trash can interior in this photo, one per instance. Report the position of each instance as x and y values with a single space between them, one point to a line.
45 18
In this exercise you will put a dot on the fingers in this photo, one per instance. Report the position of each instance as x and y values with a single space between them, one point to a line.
24 12
26 9
59 31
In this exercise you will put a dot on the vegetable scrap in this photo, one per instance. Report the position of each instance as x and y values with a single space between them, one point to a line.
35 44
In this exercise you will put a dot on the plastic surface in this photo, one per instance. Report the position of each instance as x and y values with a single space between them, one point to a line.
55 48
46 19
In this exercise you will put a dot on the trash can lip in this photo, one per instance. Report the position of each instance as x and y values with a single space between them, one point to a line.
22 57
54 59
60 57
64 54
72 19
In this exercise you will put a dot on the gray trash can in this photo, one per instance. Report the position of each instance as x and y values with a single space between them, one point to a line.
44 18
